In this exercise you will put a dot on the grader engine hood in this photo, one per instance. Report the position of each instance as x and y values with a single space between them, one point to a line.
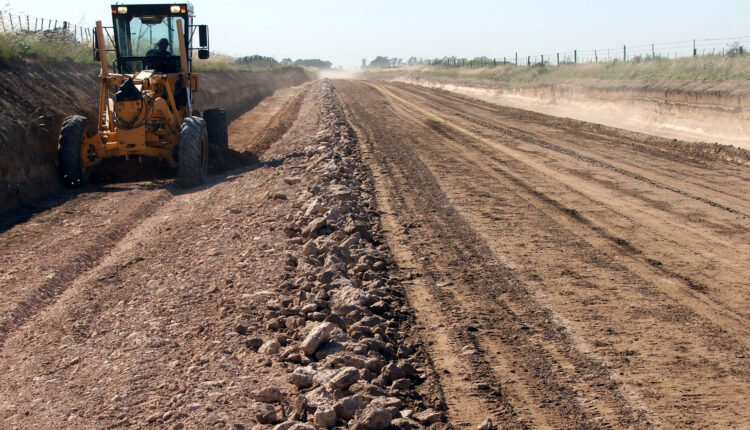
131 107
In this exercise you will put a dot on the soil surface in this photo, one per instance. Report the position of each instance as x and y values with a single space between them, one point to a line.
392 255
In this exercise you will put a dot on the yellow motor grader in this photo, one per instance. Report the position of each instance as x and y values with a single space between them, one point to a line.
146 105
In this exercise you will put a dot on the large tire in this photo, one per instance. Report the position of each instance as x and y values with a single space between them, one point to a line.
192 153
216 122
70 164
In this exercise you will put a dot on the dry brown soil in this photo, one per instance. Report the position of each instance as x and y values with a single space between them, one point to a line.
567 275
561 274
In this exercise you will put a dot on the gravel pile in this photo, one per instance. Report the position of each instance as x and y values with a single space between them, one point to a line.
340 321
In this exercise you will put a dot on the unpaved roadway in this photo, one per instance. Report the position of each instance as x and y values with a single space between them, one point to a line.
567 275
558 274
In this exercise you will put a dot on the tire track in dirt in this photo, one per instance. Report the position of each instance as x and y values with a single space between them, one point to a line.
85 256
506 344
716 309
530 137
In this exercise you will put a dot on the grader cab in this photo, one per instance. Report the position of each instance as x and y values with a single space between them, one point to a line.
146 102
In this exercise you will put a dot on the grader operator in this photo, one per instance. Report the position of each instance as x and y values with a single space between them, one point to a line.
146 104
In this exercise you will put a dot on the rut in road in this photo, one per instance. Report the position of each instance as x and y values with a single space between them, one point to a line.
572 277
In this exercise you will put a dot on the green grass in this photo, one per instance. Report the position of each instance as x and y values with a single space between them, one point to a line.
714 67
51 45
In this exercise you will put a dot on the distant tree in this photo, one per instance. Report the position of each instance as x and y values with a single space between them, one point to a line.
318 64
255 59
735 49
286 62
381 63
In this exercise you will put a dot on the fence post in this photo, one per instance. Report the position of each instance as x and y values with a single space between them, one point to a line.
36 21
624 53
694 51
55 25
596 57
542 55
10 18
516 58
528 61
558 58
28 23
20 23
653 52
575 56
41 27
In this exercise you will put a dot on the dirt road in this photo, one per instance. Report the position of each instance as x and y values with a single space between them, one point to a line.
558 275
566 275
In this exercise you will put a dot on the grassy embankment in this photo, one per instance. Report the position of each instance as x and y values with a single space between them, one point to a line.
50 45
714 67
59 46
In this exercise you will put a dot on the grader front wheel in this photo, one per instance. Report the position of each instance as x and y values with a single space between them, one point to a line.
69 160
216 122
192 153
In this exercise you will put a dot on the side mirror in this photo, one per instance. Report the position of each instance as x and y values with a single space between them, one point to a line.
203 36
96 46
203 54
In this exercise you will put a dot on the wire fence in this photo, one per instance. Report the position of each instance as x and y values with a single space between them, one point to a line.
731 46
18 23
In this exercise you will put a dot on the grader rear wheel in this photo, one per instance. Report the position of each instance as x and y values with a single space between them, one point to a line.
192 153
69 160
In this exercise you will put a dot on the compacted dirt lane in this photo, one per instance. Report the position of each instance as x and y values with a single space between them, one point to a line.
565 275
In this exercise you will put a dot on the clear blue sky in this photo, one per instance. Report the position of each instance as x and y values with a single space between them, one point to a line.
347 31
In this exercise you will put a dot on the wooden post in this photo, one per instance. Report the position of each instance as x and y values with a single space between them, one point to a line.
528 61
55 25
558 58
624 53
695 52
596 57
36 22
10 18
20 23
542 60
653 52
516 58
28 23
575 56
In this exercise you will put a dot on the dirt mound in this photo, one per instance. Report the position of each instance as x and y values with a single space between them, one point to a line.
38 95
